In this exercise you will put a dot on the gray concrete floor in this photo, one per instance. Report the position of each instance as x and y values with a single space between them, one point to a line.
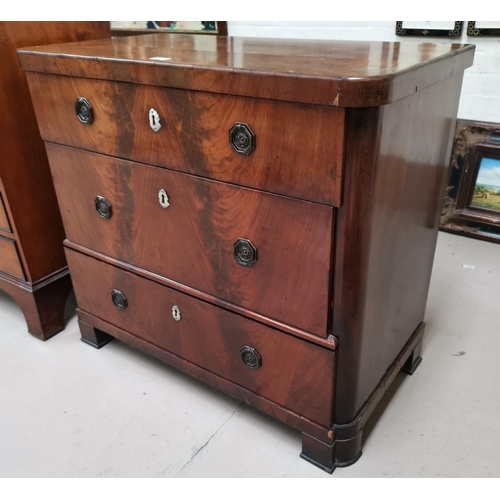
67 410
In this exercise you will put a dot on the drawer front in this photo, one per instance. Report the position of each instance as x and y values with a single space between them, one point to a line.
298 148
4 220
9 258
201 238
291 372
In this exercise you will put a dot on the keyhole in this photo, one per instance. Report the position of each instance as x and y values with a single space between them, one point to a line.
176 313
154 120
163 198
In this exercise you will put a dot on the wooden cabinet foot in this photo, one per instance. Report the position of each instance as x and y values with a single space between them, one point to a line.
92 336
43 303
330 456
413 362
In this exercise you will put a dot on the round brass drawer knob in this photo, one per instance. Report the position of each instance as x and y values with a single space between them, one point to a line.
84 111
103 207
119 300
250 357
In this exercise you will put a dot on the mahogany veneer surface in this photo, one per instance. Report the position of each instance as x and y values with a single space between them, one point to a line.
194 132
330 72
293 374
27 191
334 188
9 258
4 220
192 240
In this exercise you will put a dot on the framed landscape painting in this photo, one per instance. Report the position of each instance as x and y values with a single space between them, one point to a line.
472 202
486 194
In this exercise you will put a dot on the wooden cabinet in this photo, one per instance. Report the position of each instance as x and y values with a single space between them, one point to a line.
261 214
33 267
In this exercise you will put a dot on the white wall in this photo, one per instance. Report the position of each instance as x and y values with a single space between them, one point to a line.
480 98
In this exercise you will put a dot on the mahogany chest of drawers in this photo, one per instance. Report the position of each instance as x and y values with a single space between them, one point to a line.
261 214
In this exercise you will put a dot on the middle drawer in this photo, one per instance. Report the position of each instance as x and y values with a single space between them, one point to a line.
267 253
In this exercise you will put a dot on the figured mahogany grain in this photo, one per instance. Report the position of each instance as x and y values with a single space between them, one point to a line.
192 240
335 73
9 258
329 343
299 148
294 373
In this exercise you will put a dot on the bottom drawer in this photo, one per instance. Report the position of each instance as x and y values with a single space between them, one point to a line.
288 371
9 258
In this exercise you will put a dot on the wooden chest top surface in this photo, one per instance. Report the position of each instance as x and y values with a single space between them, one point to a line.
337 73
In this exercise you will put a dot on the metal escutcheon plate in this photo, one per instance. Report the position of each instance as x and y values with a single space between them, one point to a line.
176 313
154 120
163 198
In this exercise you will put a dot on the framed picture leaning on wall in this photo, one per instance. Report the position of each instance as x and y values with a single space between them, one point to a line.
483 28
429 28
472 202
124 28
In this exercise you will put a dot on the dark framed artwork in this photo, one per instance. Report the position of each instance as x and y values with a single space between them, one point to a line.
483 28
448 29
128 28
472 203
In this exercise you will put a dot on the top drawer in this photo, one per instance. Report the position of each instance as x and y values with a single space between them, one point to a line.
291 149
